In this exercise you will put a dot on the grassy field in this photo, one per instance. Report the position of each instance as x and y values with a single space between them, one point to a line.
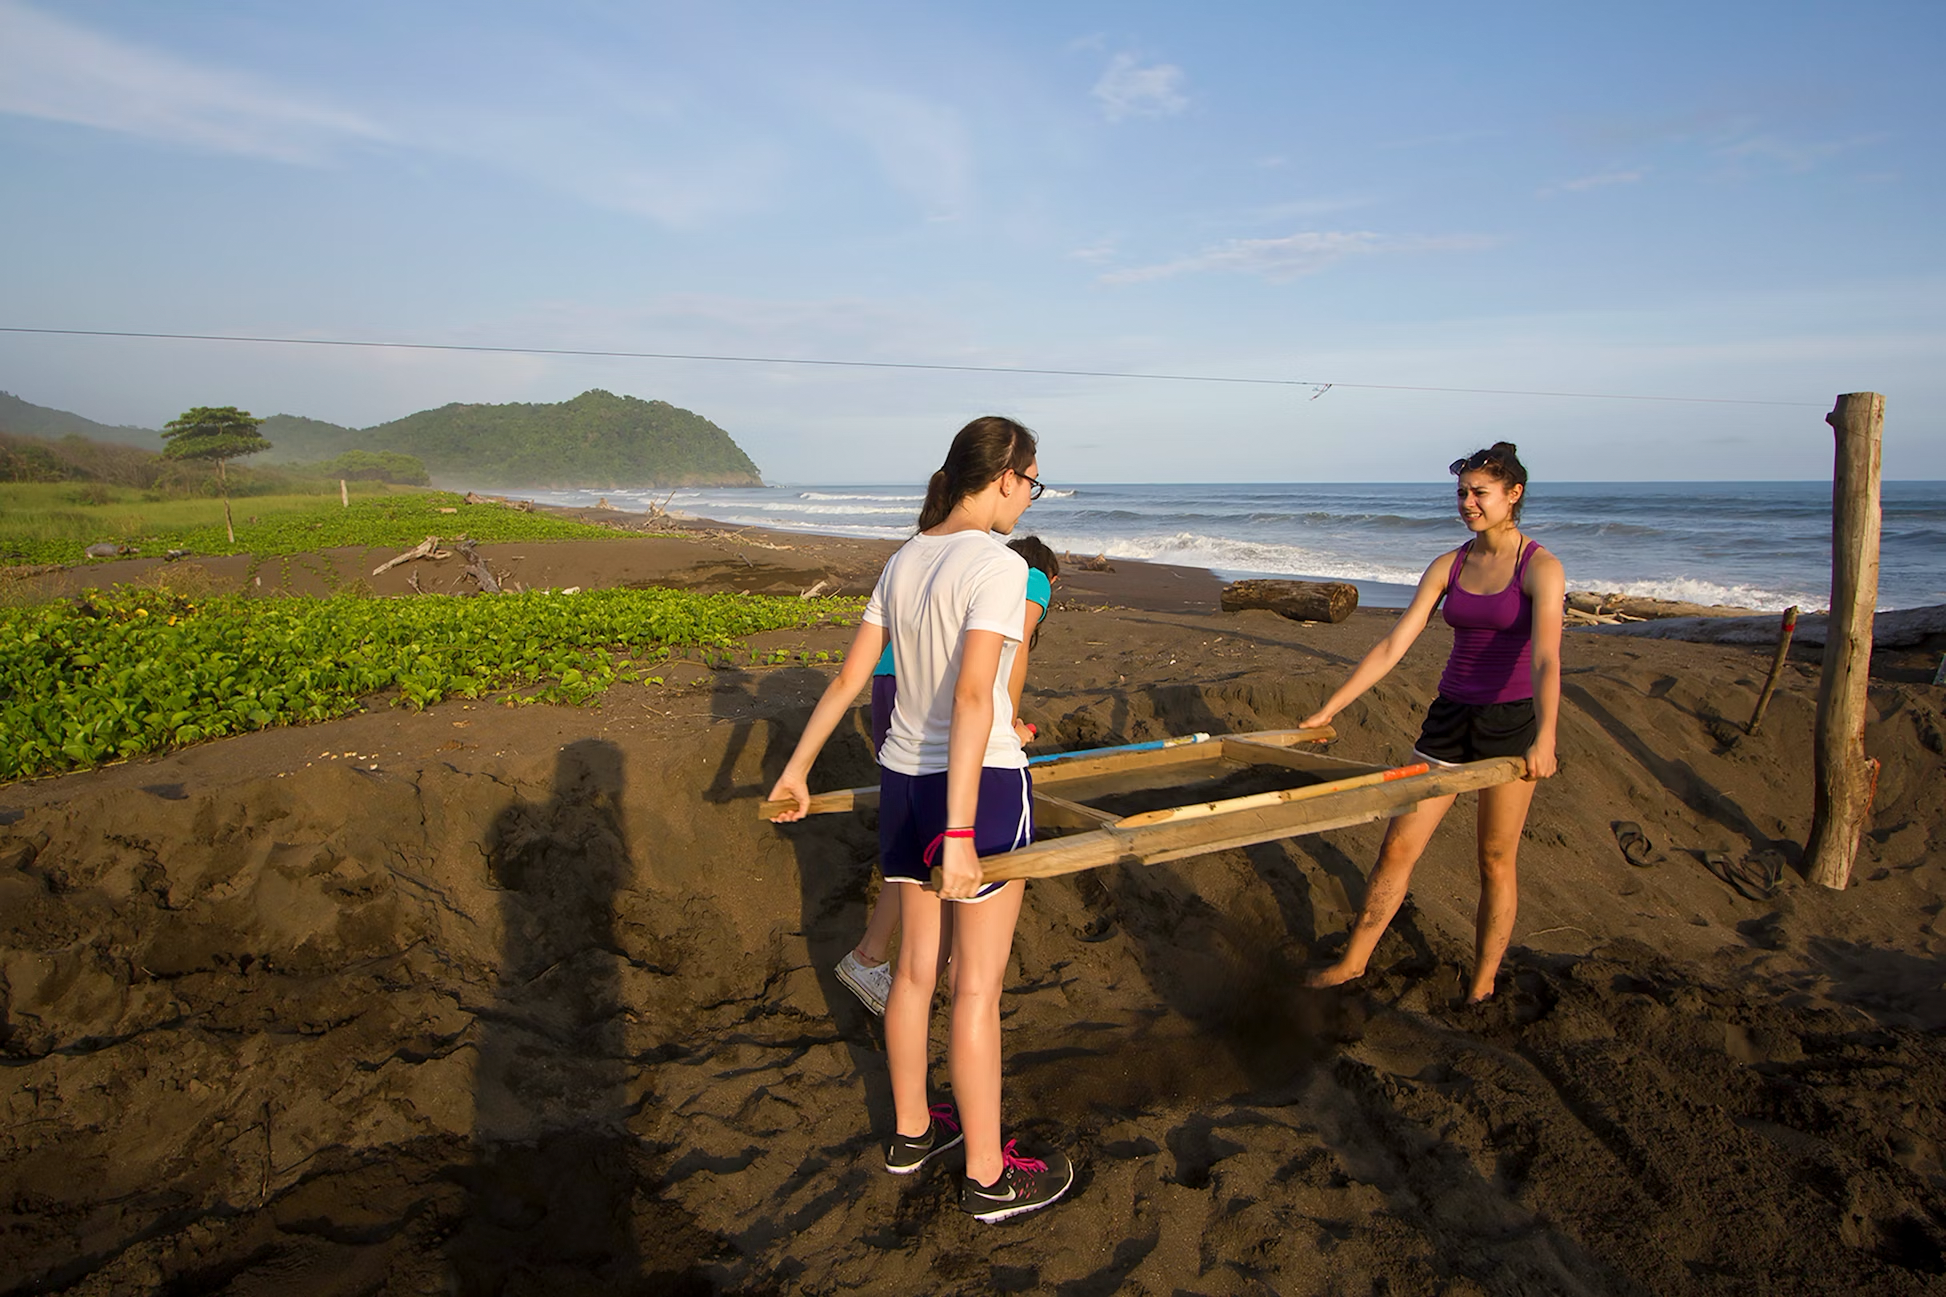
55 522
107 676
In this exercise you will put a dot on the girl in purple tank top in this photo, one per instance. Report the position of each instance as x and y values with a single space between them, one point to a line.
1500 696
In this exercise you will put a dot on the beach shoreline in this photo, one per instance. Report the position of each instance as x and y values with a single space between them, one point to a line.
1758 545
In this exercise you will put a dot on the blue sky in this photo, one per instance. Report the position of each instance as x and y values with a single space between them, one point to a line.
1727 200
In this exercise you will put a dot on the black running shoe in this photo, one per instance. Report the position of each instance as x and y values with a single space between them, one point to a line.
1025 1184
907 1153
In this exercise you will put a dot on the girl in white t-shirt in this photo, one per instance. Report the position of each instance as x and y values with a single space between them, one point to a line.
864 971
953 786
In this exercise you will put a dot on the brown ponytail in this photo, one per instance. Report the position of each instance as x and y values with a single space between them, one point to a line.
1500 461
981 452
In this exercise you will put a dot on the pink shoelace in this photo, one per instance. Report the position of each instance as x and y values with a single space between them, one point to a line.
1011 1159
946 1113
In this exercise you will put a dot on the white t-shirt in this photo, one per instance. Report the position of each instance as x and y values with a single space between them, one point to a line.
934 590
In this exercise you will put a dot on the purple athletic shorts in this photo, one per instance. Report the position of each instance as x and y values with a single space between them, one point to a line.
912 812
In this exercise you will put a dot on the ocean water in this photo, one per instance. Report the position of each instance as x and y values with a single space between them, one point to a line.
1759 545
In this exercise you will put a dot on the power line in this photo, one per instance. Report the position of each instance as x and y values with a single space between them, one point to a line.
1321 385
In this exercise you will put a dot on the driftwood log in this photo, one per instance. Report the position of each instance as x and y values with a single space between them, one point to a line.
427 548
1628 607
476 567
1904 628
1331 601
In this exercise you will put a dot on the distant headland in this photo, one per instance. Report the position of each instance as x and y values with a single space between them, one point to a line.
597 439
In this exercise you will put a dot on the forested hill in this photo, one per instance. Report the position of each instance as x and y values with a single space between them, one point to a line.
294 438
25 419
596 440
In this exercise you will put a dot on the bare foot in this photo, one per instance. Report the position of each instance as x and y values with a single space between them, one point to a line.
1336 975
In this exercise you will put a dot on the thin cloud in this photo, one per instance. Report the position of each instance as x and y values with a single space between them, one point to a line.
1736 135
1128 89
1634 135
1439 141
848 326
613 155
1599 180
1792 155
1302 209
921 147
1294 255
683 196
57 71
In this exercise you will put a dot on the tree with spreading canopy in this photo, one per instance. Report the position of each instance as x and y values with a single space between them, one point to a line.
218 432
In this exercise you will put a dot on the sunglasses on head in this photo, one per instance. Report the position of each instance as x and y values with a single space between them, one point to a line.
1468 463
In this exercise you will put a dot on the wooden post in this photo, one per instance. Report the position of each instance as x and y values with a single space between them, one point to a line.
344 494
229 526
1785 630
1843 777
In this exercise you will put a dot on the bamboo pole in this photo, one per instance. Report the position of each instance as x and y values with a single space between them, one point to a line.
1844 777
1090 766
1198 810
1785 630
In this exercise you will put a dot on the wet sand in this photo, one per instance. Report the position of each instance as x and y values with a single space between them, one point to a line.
523 1000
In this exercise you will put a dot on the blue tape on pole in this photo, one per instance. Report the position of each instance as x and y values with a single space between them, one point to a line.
1150 746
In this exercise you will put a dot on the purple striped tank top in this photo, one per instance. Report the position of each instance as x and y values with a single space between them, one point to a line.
1493 641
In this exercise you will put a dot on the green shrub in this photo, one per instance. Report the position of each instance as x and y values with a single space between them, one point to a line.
109 676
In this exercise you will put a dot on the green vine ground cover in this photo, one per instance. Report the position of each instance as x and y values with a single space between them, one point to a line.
33 530
109 676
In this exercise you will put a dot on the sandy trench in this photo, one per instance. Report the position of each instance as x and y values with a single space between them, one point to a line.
526 1000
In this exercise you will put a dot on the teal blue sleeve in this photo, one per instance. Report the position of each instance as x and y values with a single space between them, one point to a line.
884 667
1040 590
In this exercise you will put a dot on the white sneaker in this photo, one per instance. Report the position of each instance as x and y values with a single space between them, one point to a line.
871 983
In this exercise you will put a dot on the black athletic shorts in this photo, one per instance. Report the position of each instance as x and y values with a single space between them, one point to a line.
1460 732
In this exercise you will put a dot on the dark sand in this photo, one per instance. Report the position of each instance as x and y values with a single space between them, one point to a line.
527 1000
